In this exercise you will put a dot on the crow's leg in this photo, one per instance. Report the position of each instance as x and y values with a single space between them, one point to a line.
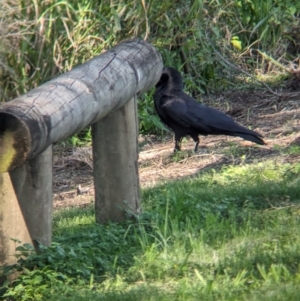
178 139
195 137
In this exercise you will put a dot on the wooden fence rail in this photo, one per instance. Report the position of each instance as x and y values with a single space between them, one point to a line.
101 92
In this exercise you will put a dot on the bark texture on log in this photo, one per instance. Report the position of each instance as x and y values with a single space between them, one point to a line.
74 100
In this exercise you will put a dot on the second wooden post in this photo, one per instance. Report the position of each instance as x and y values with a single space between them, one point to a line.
115 156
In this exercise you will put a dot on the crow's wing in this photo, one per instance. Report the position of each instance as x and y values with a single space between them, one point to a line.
178 111
186 112
218 122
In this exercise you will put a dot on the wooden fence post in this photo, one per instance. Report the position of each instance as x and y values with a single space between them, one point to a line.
12 223
26 205
32 182
115 156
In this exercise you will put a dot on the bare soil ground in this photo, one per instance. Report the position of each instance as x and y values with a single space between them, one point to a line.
275 117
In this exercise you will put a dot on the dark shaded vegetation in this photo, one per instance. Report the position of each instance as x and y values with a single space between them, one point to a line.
218 44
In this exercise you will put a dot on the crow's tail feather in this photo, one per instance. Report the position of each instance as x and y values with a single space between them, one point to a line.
252 137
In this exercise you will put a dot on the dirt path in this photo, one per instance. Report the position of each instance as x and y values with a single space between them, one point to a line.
277 118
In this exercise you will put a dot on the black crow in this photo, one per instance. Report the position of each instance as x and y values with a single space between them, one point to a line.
185 116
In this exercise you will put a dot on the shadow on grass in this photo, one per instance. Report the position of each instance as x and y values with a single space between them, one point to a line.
137 294
286 292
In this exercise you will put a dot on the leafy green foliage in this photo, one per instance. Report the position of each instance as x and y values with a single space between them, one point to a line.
91 251
36 284
149 120
83 138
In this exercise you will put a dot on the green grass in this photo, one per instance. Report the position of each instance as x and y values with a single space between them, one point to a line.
228 234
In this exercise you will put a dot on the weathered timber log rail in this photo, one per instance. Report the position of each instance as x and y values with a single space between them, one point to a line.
101 92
